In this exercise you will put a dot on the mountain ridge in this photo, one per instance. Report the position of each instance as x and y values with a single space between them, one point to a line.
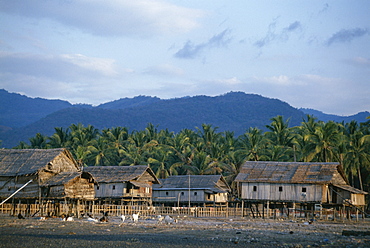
233 111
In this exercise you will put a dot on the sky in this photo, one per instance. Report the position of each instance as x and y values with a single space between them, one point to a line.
308 53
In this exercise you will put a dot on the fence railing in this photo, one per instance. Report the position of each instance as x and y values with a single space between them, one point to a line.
47 208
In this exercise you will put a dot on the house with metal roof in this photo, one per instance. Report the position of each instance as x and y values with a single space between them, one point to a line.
297 182
193 190
123 183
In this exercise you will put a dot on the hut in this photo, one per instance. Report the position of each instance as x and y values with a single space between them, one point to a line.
193 190
19 166
125 184
308 184
43 178
73 185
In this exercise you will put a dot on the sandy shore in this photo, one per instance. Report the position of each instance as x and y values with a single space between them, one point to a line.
188 232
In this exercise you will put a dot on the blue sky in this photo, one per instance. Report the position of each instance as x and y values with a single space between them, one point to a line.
310 54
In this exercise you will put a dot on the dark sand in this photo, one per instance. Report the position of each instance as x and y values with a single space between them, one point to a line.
188 232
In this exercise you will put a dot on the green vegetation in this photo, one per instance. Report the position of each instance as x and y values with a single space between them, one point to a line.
207 151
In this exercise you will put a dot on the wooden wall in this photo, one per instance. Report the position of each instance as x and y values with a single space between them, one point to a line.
110 190
8 185
282 192
198 196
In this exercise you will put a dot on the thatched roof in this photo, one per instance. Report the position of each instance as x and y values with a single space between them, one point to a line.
16 162
351 189
291 172
213 183
114 174
65 177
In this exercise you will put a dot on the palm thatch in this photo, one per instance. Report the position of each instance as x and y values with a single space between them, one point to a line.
119 174
18 162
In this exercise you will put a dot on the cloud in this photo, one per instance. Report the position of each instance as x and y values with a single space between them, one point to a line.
190 50
164 70
111 17
347 35
64 67
273 35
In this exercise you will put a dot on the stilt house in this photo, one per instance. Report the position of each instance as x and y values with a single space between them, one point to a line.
295 182
123 183
54 174
196 190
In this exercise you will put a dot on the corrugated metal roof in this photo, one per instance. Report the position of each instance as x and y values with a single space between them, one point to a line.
215 183
112 174
15 162
290 172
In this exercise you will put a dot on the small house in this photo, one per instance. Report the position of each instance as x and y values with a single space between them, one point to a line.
19 166
296 182
124 183
72 185
194 190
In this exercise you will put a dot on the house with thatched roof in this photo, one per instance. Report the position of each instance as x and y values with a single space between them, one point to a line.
198 190
72 185
296 182
20 166
124 183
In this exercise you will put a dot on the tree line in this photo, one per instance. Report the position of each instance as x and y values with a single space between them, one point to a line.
206 151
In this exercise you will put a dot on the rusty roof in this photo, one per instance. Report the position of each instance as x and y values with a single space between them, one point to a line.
291 172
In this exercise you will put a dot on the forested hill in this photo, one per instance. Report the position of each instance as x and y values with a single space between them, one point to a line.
234 111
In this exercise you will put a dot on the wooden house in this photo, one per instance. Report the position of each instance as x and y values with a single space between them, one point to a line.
196 190
124 183
72 185
19 166
295 182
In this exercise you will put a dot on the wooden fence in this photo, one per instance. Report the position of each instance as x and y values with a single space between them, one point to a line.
96 210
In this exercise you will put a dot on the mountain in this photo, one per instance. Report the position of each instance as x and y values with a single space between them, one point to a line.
359 117
130 102
18 110
235 111
22 117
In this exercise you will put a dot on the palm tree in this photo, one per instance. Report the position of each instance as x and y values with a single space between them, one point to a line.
279 133
358 155
252 145
161 162
101 154
39 141
323 142
203 164
61 138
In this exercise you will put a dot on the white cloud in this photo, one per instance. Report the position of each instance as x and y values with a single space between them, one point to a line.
164 70
111 17
102 65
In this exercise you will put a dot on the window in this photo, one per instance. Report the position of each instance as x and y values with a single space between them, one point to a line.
182 193
304 190
280 188
166 193
97 187
254 188
114 187
195 193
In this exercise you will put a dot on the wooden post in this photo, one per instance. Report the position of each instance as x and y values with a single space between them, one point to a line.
242 208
